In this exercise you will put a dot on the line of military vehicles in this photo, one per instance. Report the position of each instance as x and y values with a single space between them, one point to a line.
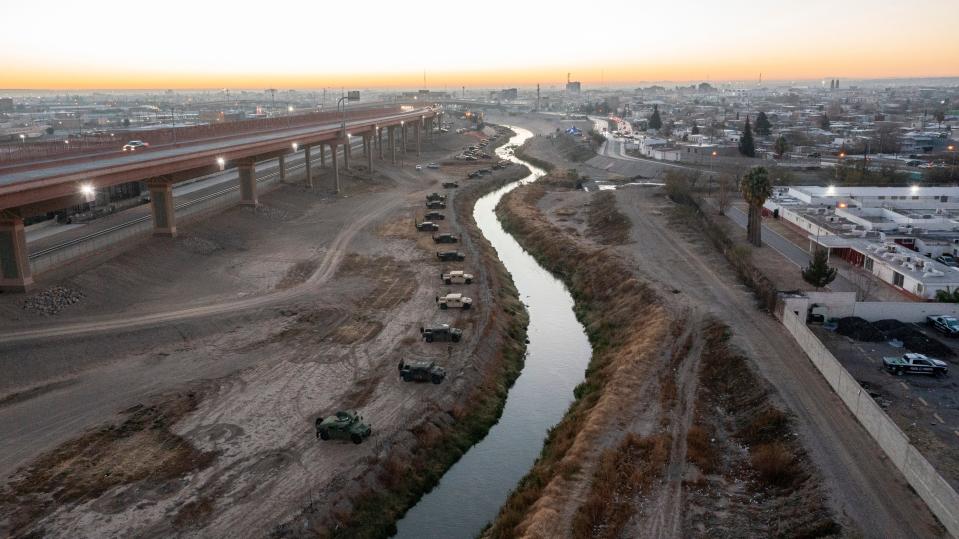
349 425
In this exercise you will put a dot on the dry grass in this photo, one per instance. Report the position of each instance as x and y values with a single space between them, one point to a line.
141 448
605 223
700 449
623 474
195 513
298 274
775 464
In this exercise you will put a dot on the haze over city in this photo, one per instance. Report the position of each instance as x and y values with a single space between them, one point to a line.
495 269
182 44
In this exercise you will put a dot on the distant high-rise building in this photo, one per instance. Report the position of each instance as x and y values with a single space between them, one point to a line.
6 104
573 87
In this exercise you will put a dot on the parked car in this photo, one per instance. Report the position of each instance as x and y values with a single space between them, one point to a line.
450 185
916 364
135 145
948 260
427 226
434 216
419 167
436 205
432 165
436 196
945 324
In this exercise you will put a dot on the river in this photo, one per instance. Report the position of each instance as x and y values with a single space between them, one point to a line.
471 493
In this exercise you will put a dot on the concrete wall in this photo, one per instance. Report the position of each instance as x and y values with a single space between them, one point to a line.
841 304
939 496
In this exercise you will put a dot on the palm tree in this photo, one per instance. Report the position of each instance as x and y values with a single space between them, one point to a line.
756 188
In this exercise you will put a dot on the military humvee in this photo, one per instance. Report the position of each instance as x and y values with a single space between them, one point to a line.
454 301
421 371
447 256
343 425
457 277
434 216
436 205
441 333
435 196
445 238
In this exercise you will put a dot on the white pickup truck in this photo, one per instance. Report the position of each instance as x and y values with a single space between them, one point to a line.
915 363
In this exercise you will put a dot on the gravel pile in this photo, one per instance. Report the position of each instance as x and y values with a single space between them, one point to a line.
52 300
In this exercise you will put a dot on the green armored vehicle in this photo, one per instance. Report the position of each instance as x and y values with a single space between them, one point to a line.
421 371
343 425
435 196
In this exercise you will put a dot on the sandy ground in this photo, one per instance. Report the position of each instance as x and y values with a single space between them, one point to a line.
266 318
866 492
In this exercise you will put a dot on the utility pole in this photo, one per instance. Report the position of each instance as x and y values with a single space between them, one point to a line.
272 101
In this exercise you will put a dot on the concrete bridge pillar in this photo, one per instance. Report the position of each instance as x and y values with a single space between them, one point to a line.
336 169
368 146
308 165
161 201
281 160
379 142
15 273
416 133
323 155
247 170
391 132
403 135
346 153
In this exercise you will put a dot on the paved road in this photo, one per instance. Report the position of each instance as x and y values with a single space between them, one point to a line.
97 162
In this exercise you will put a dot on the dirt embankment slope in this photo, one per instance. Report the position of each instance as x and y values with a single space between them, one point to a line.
622 461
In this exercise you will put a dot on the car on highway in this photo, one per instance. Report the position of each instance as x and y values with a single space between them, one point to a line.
427 226
915 364
943 323
419 167
434 216
135 145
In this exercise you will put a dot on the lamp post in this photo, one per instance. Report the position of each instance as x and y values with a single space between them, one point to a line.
951 148
838 163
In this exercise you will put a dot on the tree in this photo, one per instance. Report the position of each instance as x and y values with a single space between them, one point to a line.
824 122
746 145
655 122
126 122
763 127
756 188
940 117
818 273
49 130
781 146
947 295
723 195
695 129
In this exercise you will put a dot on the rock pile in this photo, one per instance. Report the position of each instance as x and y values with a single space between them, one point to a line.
52 300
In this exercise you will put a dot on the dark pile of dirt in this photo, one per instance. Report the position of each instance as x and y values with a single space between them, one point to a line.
913 339
606 224
859 329
884 330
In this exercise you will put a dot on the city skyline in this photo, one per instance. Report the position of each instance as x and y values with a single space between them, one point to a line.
399 47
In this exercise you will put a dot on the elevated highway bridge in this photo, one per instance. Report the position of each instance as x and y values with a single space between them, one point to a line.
41 186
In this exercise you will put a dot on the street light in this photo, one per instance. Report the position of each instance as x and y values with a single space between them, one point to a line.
221 162
950 148
87 190
295 146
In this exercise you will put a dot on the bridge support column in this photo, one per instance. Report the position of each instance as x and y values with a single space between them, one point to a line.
379 142
392 140
416 134
336 169
15 273
403 135
247 170
281 160
161 201
323 155
368 144
308 165
346 154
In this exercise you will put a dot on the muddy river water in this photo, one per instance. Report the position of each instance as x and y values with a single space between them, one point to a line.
470 494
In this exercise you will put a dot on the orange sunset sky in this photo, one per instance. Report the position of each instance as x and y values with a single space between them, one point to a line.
62 44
